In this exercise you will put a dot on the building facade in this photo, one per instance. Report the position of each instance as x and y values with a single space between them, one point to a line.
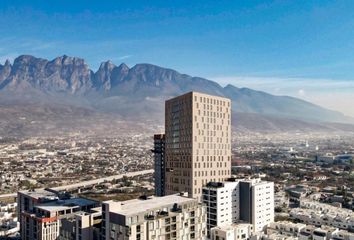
249 201
320 214
168 217
222 200
299 231
286 228
159 164
257 203
198 142
82 226
41 213
239 231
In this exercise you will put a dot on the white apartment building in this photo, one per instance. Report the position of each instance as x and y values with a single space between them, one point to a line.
250 201
170 217
274 236
223 203
239 231
343 235
285 228
320 214
261 197
289 230
324 233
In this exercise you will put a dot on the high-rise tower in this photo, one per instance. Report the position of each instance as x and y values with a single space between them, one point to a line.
198 142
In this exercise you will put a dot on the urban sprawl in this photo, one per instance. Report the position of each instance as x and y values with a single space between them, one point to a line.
197 180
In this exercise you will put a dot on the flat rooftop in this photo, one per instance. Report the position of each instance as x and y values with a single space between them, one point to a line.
136 206
60 205
232 181
40 193
232 226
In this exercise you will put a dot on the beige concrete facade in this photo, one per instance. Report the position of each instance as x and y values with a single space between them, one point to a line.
198 142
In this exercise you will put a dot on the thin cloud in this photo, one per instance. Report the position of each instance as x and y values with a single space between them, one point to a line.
124 57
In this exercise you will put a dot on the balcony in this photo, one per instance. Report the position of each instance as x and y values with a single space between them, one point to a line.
176 208
163 214
150 217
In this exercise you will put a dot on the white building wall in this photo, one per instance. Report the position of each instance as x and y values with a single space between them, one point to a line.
222 203
226 198
263 205
240 231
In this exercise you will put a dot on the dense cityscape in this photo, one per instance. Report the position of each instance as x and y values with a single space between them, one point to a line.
281 186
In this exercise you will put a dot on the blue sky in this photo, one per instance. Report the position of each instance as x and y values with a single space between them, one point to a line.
298 48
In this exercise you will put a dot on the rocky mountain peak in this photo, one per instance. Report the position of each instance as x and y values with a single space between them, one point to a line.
5 71
108 65
7 63
152 74
27 60
123 66
66 60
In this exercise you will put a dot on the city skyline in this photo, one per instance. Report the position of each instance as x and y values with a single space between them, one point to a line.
256 44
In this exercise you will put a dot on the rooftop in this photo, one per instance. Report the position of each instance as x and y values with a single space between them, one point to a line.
40 193
232 226
232 181
59 205
137 206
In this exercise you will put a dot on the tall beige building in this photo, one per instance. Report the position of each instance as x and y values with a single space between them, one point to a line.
198 142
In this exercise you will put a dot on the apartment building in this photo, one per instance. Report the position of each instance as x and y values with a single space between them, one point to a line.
169 217
257 203
250 201
285 228
320 214
222 200
198 142
41 212
239 231
159 164
324 233
82 226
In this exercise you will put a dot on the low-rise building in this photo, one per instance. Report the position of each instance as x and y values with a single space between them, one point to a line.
320 214
290 230
239 231
285 228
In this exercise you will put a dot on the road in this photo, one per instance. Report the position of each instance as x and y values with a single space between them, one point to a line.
89 182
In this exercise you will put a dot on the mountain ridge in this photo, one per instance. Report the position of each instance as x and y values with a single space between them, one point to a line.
139 90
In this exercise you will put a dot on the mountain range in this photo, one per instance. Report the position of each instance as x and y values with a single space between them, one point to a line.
138 93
